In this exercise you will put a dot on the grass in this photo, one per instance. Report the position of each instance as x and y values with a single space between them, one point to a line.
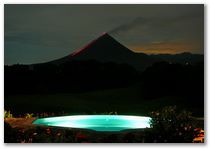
122 100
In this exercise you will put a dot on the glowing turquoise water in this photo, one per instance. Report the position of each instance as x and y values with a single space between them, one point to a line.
97 122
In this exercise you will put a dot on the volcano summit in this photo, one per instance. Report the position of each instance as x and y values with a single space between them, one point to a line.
106 49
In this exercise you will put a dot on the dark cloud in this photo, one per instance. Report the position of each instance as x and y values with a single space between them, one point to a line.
158 21
130 25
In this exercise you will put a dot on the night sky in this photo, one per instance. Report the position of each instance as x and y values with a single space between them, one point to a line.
40 33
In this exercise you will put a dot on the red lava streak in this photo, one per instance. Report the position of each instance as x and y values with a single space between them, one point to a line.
87 46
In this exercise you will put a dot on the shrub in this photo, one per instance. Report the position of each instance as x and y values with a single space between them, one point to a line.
7 114
170 125
29 115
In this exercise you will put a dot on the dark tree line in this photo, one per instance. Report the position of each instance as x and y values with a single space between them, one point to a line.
74 76
160 79
165 79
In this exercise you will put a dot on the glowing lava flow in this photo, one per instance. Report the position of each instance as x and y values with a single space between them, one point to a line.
87 46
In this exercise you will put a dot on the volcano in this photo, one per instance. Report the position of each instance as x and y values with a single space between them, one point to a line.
106 49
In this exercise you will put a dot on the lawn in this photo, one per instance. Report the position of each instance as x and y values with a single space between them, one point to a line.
121 100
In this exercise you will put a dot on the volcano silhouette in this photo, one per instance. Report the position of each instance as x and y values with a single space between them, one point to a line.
106 49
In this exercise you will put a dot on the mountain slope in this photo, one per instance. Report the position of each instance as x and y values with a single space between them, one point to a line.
106 49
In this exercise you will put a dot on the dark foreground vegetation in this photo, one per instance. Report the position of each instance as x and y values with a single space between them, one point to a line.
160 79
169 125
91 86
69 77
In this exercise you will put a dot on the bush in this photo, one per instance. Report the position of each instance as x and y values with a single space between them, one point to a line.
29 115
7 114
171 125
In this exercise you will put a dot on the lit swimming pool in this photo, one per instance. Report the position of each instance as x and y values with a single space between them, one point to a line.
97 122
